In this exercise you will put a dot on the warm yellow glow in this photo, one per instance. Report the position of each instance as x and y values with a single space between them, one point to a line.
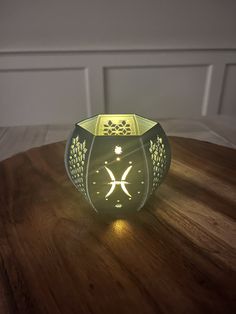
120 227
114 182
117 125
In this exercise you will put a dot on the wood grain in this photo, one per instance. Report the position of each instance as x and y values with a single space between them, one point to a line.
178 255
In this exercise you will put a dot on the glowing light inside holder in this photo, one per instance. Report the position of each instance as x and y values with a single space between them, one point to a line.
117 160
118 150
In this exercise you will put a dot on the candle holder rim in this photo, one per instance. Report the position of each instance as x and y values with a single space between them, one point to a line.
138 120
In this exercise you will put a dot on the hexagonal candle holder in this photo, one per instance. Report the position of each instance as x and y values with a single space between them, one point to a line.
117 160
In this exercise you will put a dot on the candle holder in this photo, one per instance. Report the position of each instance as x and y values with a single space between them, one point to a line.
117 160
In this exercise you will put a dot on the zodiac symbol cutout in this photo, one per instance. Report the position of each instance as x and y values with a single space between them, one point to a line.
122 182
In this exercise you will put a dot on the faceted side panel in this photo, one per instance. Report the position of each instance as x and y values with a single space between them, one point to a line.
117 174
77 152
89 124
144 125
159 160
76 157
158 155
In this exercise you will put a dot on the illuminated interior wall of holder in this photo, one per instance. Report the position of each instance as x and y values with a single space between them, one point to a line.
117 160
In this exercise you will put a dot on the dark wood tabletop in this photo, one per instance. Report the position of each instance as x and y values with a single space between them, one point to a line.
177 255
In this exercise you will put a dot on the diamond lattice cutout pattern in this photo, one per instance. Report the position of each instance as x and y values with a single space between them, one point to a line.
121 128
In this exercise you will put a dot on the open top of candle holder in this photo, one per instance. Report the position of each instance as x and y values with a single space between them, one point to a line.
117 125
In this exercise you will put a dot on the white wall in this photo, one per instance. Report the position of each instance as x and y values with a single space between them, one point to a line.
61 61
112 24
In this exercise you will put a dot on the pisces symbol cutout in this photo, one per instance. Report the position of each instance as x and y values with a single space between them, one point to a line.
122 182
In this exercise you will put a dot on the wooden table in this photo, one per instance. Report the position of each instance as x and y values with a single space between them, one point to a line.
176 256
